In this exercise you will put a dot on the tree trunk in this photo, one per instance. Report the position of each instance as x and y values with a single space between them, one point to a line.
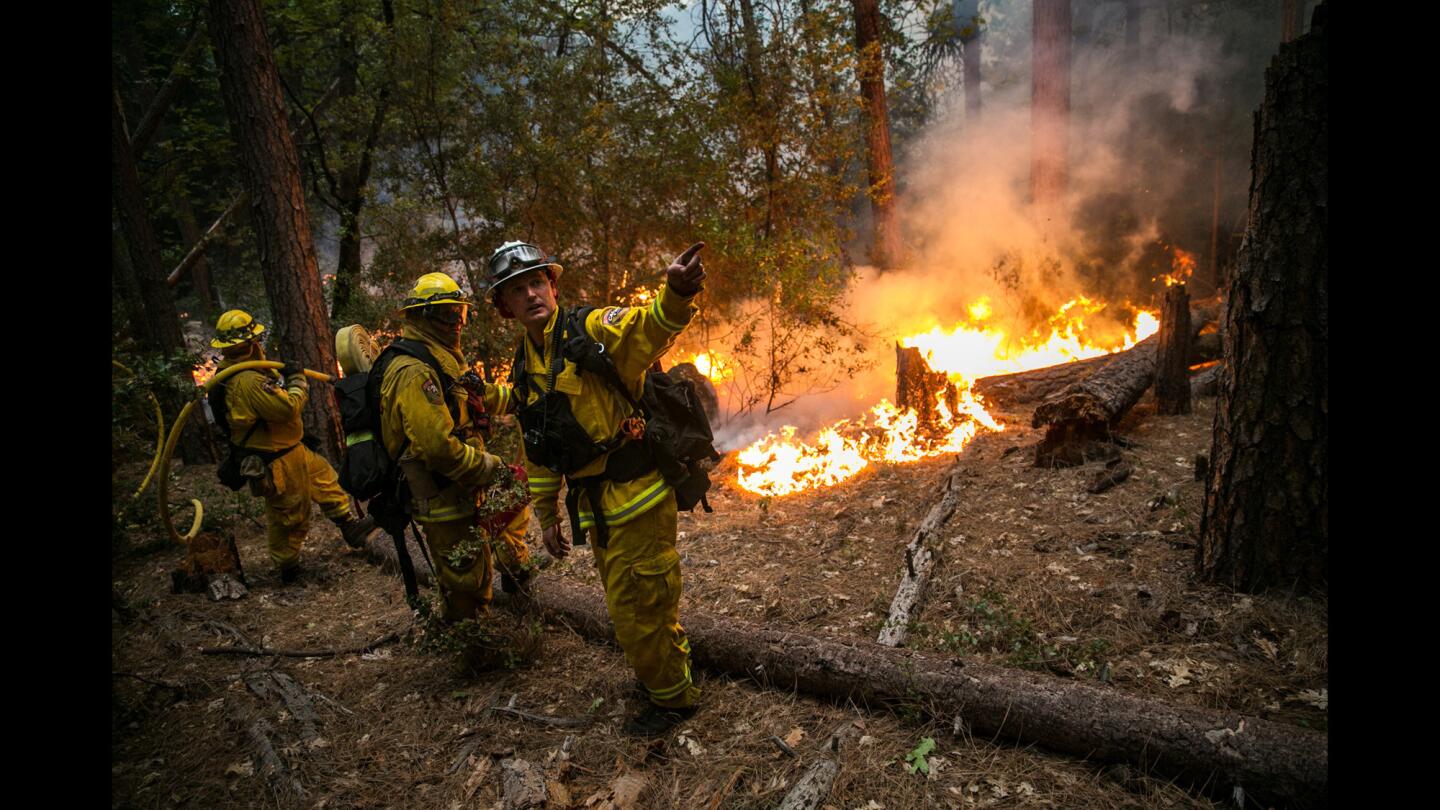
1172 359
161 331
885 251
1221 749
1037 384
967 20
253 98
1265 521
1050 104
1292 19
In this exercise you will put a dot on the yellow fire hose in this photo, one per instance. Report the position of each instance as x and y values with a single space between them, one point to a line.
161 486
159 433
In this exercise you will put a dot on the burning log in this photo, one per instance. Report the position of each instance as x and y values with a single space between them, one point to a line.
1206 381
1036 384
1172 380
1081 416
1273 762
919 388
918 561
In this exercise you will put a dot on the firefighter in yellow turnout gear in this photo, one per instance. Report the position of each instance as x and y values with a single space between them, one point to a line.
429 430
637 562
262 408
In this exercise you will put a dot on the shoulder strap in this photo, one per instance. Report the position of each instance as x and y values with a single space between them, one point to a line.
219 396
421 352
589 355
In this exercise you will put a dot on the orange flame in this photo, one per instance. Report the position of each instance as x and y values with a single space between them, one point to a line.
713 365
782 465
202 373
1182 267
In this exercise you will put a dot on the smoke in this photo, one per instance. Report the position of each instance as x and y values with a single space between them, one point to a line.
1158 160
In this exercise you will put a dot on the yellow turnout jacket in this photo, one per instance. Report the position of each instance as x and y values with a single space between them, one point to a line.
634 337
412 405
260 394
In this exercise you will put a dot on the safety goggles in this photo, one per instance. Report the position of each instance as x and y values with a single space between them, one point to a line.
454 296
519 256
239 333
451 315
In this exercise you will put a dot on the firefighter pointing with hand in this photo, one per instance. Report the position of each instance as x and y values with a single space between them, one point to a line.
577 377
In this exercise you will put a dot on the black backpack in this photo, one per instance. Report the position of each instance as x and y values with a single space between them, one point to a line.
368 472
677 439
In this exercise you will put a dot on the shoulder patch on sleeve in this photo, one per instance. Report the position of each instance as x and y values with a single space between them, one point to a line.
614 314
431 390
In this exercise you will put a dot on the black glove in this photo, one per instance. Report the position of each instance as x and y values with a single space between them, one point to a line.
291 368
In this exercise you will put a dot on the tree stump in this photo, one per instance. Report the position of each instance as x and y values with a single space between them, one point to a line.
1172 359
919 388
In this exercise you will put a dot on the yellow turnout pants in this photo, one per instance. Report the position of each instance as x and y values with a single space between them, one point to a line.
640 570
297 478
467 589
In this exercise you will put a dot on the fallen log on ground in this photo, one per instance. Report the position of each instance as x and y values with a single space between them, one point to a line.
814 787
1220 750
1081 416
1034 385
380 548
918 561
1205 382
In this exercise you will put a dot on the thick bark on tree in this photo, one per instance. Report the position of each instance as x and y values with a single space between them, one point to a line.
1081 415
1086 411
1172 360
886 250
253 98
1030 386
1271 761
1265 521
1050 104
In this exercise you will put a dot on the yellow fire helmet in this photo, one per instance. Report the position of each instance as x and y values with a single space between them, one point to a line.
355 349
235 327
435 288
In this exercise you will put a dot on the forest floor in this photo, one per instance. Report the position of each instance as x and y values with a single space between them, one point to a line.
1034 573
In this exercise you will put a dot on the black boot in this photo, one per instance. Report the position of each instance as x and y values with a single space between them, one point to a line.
354 530
654 721
291 573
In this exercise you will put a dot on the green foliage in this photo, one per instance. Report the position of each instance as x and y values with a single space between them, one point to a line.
496 642
916 757
990 625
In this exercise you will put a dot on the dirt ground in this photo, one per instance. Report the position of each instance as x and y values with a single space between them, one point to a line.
1033 572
